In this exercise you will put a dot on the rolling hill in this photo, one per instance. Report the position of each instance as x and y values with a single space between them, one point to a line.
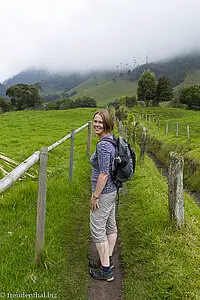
105 91
107 86
191 77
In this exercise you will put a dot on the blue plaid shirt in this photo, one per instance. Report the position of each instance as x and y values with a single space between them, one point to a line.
101 161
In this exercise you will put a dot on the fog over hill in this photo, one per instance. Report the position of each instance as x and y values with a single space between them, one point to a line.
51 82
82 35
174 69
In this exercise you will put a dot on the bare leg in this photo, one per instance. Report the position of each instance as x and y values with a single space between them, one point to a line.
103 250
112 238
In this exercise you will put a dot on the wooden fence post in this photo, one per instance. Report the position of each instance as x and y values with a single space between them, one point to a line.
71 156
143 143
41 205
125 131
176 129
134 131
188 131
167 128
89 138
117 124
175 188
120 127
159 125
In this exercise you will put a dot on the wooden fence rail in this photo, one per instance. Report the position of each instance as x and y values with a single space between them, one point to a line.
13 176
16 173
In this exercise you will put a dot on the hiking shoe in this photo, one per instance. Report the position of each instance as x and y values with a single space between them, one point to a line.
101 275
97 264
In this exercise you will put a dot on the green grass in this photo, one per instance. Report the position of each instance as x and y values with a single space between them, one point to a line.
63 270
25 132
161 143
106 90
161 262
91 82
164 113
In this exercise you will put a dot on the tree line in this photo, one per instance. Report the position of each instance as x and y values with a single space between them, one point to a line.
151 91
24 96
65 103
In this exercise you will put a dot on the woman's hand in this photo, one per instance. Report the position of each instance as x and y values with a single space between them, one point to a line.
94 203
101 182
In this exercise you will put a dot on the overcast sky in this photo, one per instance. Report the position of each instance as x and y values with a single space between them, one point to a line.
90 34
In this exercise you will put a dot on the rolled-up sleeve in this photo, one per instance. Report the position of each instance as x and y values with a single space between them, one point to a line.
104 157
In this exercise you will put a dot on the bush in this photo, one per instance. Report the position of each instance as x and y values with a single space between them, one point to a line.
79 102
121 113
4 105
51 105
190 96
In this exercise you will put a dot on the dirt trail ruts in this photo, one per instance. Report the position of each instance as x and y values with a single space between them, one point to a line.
100 290
164 171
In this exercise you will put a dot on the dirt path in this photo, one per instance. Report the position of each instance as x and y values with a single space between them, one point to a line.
100 290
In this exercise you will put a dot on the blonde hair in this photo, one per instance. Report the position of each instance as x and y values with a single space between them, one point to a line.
108 122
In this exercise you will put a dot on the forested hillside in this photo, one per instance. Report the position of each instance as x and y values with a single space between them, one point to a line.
191 77
174 69
2 90
52 84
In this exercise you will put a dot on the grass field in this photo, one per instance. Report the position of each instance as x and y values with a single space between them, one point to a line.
161 143
106 91
64 268
160 261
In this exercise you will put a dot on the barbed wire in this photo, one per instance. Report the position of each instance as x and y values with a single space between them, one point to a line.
14 227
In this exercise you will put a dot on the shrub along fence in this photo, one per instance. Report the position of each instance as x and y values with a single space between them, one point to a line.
42 155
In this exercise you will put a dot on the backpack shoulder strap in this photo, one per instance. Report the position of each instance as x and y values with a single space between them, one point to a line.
110 141
107 139
113 142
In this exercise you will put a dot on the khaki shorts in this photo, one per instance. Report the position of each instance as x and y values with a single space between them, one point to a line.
102 220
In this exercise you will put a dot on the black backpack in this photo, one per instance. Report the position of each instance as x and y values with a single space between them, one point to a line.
123 165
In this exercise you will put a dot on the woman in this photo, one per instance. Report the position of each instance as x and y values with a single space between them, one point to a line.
102 206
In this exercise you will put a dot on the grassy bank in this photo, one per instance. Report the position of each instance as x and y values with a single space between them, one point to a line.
160 143
160 261
64 267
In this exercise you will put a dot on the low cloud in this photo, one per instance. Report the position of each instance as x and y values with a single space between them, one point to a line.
89 34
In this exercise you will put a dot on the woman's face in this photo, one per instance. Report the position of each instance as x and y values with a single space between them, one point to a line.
98 125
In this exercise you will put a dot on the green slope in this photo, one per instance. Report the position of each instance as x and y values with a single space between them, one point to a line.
104 90
192 77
